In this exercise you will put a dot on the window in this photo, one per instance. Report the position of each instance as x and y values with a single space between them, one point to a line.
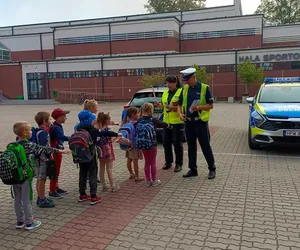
35 75
111 73
87 74
295 65
267 66
96 73
51 75
139 72
130 72
64 75
278 94
104 73
76 74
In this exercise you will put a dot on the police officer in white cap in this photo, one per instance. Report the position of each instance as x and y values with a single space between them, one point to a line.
194 107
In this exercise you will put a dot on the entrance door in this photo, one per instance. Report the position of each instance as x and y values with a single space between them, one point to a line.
36 88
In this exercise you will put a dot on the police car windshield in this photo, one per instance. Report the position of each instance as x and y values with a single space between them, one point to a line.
140 98
280 94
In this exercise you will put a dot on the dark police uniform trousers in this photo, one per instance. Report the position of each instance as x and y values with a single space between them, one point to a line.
197 129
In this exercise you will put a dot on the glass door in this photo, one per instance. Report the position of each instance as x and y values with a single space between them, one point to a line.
36 87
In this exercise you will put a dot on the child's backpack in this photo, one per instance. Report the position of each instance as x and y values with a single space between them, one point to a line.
14 166
82 146
128 132
145 135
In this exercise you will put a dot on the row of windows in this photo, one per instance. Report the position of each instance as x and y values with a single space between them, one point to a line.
158 34
172 71
117 37
221 33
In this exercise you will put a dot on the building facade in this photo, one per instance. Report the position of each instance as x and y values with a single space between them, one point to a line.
110 55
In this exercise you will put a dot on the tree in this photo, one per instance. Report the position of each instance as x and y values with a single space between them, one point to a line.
280 11
201 74
150 80
159 6
249 74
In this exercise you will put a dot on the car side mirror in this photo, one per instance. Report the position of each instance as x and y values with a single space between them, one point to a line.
250 100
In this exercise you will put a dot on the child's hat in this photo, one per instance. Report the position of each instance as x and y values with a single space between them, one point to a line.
58 113
86 117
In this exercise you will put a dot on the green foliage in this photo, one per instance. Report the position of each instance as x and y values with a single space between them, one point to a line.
280 11
249 74
149 80
159 6
202 75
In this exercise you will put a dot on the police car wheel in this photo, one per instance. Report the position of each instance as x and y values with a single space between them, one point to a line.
252 145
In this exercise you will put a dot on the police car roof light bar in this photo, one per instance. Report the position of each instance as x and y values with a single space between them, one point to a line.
282 80
159 85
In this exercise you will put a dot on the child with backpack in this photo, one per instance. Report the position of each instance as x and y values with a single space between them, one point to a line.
146 141
57 138
82 144
106 153
132 154
42 138
20 175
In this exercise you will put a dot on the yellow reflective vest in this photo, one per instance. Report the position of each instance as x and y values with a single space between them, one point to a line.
171 117
204 114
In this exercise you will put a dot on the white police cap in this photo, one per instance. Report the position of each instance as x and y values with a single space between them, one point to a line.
187 73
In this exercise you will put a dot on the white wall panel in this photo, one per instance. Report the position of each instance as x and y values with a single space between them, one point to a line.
22 43
47 41
133 62
39 28
172 14
78 31
288 33
201 59
270 55
223 24
209 13
74 65
5 31
102 20
144 26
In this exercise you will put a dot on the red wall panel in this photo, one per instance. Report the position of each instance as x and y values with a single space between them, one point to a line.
221 43
147 45
282 44
11 82
48 54
87 49
26 55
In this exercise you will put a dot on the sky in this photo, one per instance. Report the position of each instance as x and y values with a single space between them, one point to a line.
14 12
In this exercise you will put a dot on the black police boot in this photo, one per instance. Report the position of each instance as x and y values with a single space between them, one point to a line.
211 174
178 168
190 173
167 166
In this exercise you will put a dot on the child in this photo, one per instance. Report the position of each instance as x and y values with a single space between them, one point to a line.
106 153
22 191
134 155
43 139
86 119
57 141
146 140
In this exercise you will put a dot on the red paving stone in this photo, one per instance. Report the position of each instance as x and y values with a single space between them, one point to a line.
98 225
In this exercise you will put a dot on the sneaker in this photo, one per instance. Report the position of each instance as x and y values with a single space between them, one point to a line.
148 183
115 188
61 191
104 188
156 183
55 195
20 224
38 201
95 200
33 225
83 198
212 174
46 203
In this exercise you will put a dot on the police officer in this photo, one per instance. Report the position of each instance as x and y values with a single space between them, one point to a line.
172 136
194 107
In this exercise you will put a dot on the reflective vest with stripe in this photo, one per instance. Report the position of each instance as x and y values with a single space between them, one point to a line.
204 114
171 117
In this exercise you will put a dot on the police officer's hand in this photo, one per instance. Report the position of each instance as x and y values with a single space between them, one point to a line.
156 104
195 108
182 117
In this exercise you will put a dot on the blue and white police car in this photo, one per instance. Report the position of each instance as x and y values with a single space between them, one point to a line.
275 113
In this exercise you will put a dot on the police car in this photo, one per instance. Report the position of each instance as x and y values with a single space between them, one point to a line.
148 95
275 113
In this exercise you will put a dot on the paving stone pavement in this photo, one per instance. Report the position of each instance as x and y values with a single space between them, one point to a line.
252 204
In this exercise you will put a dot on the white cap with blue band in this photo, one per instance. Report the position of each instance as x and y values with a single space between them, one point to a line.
187 73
